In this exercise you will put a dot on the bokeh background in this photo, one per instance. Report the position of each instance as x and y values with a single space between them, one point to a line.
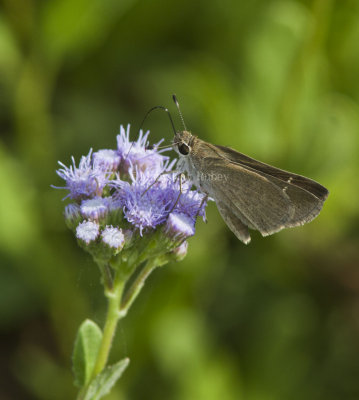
278 80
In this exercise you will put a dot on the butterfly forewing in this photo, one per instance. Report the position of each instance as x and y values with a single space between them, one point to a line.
251 193
252 198
301 181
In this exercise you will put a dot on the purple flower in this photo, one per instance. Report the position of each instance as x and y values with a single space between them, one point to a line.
87 231
113 237
95 208
179 226
107 160
145 204
135 154
133 183
112 203
192 204
83 181
149 199
144 210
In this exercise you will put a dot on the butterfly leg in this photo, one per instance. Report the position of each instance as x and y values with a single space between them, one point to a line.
205 198
156 180
181 175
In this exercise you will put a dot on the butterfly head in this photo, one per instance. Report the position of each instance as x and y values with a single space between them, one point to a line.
183 143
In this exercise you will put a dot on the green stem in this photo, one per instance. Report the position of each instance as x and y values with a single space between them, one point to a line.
136 286
117 309
113 292
106 275
114 296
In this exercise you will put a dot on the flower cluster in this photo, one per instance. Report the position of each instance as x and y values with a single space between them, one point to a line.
130 196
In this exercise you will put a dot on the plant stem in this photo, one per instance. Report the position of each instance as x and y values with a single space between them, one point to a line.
106 275
117 309
137 285
114 296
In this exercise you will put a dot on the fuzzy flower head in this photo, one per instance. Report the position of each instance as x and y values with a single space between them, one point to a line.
145 205
107 160
148 200
84 181
120 196
94 209
113 237
179 226
137 154
87 231
192 204
189 202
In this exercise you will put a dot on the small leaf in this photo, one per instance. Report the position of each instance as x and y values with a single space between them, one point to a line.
86 347
104 382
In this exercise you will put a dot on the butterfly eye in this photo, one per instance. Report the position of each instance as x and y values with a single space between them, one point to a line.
183 149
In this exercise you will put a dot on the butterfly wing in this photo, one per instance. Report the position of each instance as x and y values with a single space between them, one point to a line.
234 223
300 181
255 195
306 195
253 199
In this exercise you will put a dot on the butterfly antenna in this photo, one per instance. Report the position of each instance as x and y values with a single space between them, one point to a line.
151 147
158 108
144 119
179 110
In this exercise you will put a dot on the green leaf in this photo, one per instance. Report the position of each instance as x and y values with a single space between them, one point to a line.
104 382
86 347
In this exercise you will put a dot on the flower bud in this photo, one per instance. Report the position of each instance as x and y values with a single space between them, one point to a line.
84 181
179 227
87 231
180 252
72 215
108 160
94 209
113 237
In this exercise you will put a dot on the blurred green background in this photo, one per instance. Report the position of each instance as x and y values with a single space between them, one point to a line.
277 80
